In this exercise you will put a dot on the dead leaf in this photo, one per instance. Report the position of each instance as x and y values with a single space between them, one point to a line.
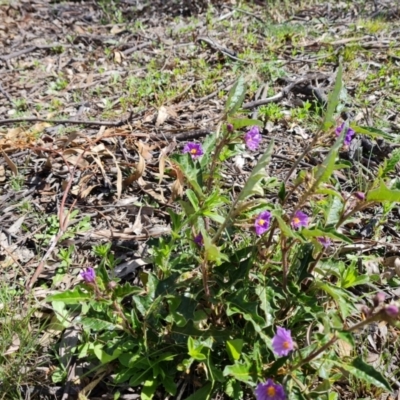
10 164
118 56
163 157
138 226
14 346
162 116
176 190
139 170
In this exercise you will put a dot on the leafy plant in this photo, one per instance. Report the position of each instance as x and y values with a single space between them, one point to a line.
239 264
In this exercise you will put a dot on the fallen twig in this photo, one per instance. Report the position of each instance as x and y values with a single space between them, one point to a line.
278 97
8 57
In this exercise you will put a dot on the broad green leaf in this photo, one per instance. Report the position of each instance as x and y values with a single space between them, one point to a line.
241 123
124 290
384 194
149 387
366 373
103 355
333 101
169 384
96 324
203 393
252 185
74 296
236 96
234 348
241 372
334 210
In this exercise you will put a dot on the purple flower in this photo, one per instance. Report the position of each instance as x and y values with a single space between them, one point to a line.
88 275
194 149
253 138
392 310
229 128
360 195
198 239
270 391
325 241
349 134
282 342
299 219
262 223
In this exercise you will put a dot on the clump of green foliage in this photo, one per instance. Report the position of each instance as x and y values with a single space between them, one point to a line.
235 269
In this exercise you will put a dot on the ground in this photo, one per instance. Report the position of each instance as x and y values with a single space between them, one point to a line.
95 95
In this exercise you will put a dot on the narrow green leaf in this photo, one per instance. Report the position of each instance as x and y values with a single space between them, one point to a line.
193 199
373 132
236 96
74 296
252 185
333 101
366 373
384 194
241 123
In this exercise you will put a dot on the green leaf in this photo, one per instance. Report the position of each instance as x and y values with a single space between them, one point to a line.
234 348
212 252
96 324
347 337
241 123
333 101
149 387
390 163
193 199
241 372
103 356
202 394
236 96
325 170
252 185
373 132
314 233
334 210
191 172
74 296
124 290
384 194
366 373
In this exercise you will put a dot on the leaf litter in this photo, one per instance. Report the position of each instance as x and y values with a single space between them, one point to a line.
127 97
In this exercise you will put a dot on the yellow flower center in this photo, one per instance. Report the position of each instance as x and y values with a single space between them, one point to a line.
261 222
286 345
271 391
296 220
193 151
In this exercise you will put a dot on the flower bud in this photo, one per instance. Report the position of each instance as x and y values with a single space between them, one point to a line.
229 128
360 195
378 299
392 310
